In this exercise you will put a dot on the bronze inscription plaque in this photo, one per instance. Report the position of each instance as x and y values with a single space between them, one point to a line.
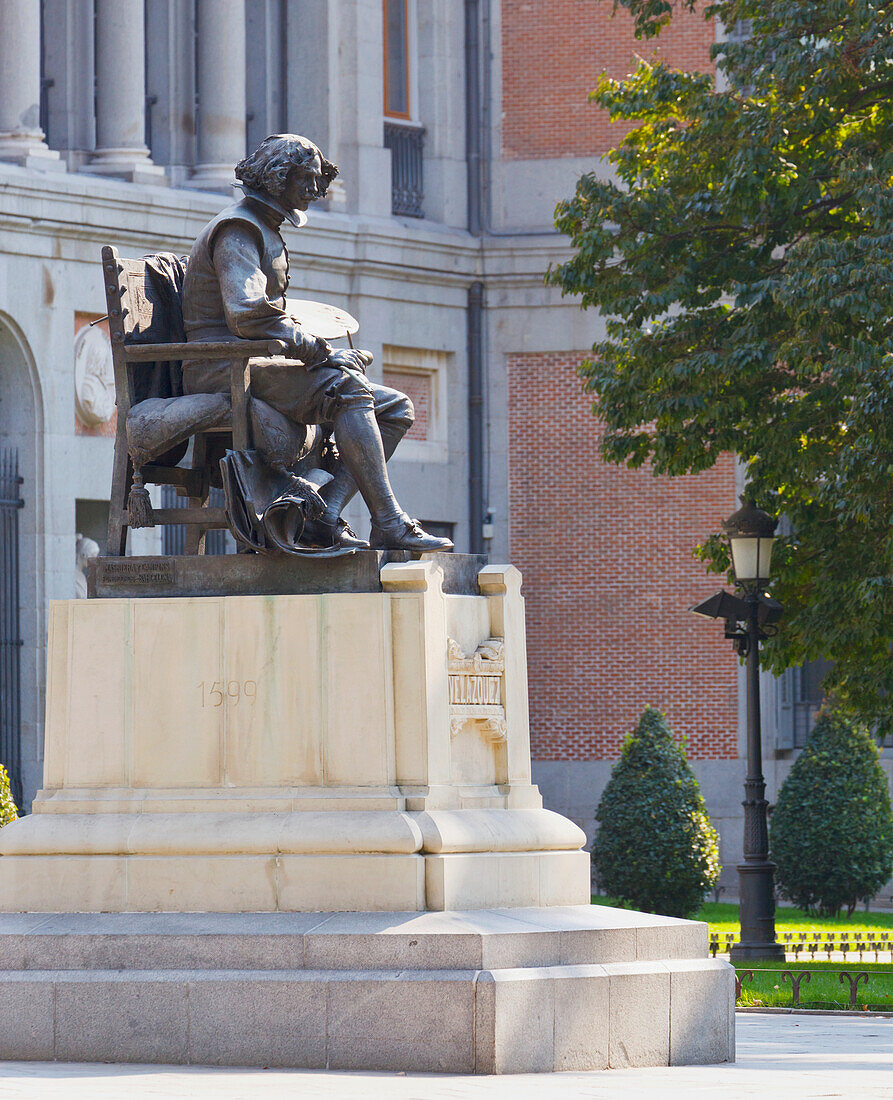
137 572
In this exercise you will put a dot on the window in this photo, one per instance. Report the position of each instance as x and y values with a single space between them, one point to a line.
421 375
403 136
419 388
406 143
800 697
396 58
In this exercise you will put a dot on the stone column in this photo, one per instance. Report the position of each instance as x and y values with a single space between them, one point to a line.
356 101
170 80
121 94
220 136
67 48
21 138
312 85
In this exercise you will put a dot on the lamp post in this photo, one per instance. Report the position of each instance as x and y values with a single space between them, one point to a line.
751 533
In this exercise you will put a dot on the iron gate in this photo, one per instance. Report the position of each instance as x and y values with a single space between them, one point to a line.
10 639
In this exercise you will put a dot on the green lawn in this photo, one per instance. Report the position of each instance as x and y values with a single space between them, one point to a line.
723 919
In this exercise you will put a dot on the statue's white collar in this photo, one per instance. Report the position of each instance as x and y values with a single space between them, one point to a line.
297 218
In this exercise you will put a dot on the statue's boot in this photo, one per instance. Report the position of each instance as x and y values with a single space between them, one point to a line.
330 529
365 446
342 488
406 534
330 532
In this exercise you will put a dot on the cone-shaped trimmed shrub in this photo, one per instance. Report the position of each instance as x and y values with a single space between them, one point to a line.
655 848
831 833
8 811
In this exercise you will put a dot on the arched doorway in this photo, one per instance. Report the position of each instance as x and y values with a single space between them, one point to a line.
20 417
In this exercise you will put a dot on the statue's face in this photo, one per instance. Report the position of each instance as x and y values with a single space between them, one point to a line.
304 185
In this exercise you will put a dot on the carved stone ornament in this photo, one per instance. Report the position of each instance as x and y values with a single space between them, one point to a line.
488 659
94 377
476 688
493 728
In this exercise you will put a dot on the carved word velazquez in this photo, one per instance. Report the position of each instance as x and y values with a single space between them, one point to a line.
476 687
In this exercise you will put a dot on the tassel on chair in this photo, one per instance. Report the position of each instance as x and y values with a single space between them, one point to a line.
139 504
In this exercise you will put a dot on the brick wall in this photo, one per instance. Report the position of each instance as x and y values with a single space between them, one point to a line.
553 53
609 578
417 387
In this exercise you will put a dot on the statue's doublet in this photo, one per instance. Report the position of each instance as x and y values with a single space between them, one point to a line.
204 316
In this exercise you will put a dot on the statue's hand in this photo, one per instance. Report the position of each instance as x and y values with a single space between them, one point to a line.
350 359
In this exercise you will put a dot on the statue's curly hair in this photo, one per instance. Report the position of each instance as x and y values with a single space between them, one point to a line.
267 168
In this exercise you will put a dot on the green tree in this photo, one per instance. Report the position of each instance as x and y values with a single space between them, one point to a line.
831 832
8 811
655 848
743 260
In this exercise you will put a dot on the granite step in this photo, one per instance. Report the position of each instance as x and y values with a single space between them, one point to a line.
471 940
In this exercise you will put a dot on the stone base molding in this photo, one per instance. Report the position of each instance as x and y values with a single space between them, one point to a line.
486 991
127 163
213 177
292 862
28 150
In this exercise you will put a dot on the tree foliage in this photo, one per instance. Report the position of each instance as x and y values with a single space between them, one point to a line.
8 811
655 848
831 831
743 261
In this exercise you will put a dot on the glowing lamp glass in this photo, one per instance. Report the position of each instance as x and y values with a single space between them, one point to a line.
751 558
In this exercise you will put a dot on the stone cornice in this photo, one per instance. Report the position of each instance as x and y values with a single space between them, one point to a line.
73 212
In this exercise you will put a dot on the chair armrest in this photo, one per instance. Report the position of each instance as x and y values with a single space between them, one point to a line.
219 349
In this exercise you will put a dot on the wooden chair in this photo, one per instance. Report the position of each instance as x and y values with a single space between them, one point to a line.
133 309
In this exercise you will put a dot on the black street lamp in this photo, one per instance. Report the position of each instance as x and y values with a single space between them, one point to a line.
749 619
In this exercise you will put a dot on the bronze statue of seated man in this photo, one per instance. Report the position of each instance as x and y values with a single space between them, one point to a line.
235 286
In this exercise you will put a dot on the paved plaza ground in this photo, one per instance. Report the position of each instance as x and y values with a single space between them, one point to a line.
787 1056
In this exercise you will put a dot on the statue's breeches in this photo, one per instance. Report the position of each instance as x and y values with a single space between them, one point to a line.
304 396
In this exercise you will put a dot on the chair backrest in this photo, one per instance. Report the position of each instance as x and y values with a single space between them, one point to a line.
132 302
138 312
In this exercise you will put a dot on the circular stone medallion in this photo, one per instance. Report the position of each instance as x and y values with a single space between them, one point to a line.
94 376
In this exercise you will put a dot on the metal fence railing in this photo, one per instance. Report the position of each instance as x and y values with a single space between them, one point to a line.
821 945
851 981
407 168
10 629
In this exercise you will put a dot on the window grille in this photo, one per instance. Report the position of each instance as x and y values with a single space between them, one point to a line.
407 181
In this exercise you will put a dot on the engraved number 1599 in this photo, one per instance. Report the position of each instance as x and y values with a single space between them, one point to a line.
214 694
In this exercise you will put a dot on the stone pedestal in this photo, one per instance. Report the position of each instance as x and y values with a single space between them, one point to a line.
296 827
360 751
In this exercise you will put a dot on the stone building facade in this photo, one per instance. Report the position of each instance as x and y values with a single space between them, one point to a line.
457 126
